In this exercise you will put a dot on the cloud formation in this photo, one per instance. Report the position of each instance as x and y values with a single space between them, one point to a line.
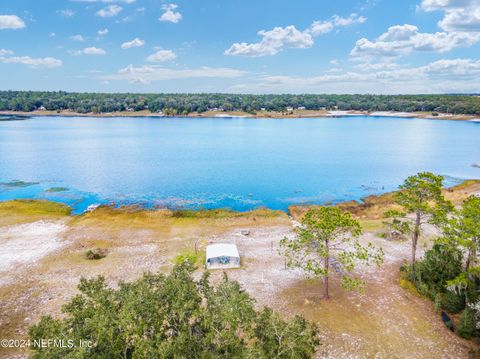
78 38
90 51
12 22
109 11
147 74
45 62
136 42
66 13
170 15
162 56
459 15
102 32
279 38
400 40
446 75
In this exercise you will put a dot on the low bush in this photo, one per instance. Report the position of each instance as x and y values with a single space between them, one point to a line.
96 254
466 328
453 302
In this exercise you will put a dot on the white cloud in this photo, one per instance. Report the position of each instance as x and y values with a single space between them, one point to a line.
102 32
48 62
170 15
90 51
147 74
442 76
66 13
12 22
78 38
109 11
323 27
459 15
273 41
52 34
4 52
401 40
161 56
136 42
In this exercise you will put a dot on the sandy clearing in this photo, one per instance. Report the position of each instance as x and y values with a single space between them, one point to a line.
23 245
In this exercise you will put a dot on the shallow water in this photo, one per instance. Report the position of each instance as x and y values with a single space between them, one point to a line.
221 162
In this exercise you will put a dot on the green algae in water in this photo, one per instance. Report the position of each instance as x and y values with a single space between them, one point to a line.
18 184
56 189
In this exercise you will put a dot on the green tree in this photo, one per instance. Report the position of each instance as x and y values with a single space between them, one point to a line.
441 263
421 195
328 237
172 316
464 227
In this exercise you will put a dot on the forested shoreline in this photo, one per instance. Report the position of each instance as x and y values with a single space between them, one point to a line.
184 104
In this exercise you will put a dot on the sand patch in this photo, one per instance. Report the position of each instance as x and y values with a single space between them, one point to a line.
23 245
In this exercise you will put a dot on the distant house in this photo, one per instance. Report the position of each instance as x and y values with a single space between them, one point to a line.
42 108
222 255
301 108
289 109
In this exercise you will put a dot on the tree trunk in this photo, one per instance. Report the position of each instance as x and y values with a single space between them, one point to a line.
326 265
416 234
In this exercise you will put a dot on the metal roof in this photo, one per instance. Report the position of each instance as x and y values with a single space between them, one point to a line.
222 250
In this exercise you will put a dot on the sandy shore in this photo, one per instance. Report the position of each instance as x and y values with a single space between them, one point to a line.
261 114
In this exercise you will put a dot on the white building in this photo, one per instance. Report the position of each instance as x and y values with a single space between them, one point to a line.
222 255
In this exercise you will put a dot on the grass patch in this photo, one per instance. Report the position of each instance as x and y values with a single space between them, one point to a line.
190 255
409 286
372 225
34 207
225 213
463 185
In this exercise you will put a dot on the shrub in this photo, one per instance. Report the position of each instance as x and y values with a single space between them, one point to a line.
453 302
443 262
172 316
191 256
466 328
96 254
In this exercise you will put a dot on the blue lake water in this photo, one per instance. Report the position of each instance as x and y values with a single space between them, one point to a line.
219 162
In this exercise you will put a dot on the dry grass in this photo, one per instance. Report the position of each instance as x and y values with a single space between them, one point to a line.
372 208
24 211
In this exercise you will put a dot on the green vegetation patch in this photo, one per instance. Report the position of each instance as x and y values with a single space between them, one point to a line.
96 254
34 207
56 189
224 213
17 184
167 316
192 256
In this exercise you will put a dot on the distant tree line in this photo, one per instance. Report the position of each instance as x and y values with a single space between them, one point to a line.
183 104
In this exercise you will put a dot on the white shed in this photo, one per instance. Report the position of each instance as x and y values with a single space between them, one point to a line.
222 255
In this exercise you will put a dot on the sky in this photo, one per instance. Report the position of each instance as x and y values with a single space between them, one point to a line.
241 46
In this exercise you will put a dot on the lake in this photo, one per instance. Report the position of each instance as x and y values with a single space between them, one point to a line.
238 163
